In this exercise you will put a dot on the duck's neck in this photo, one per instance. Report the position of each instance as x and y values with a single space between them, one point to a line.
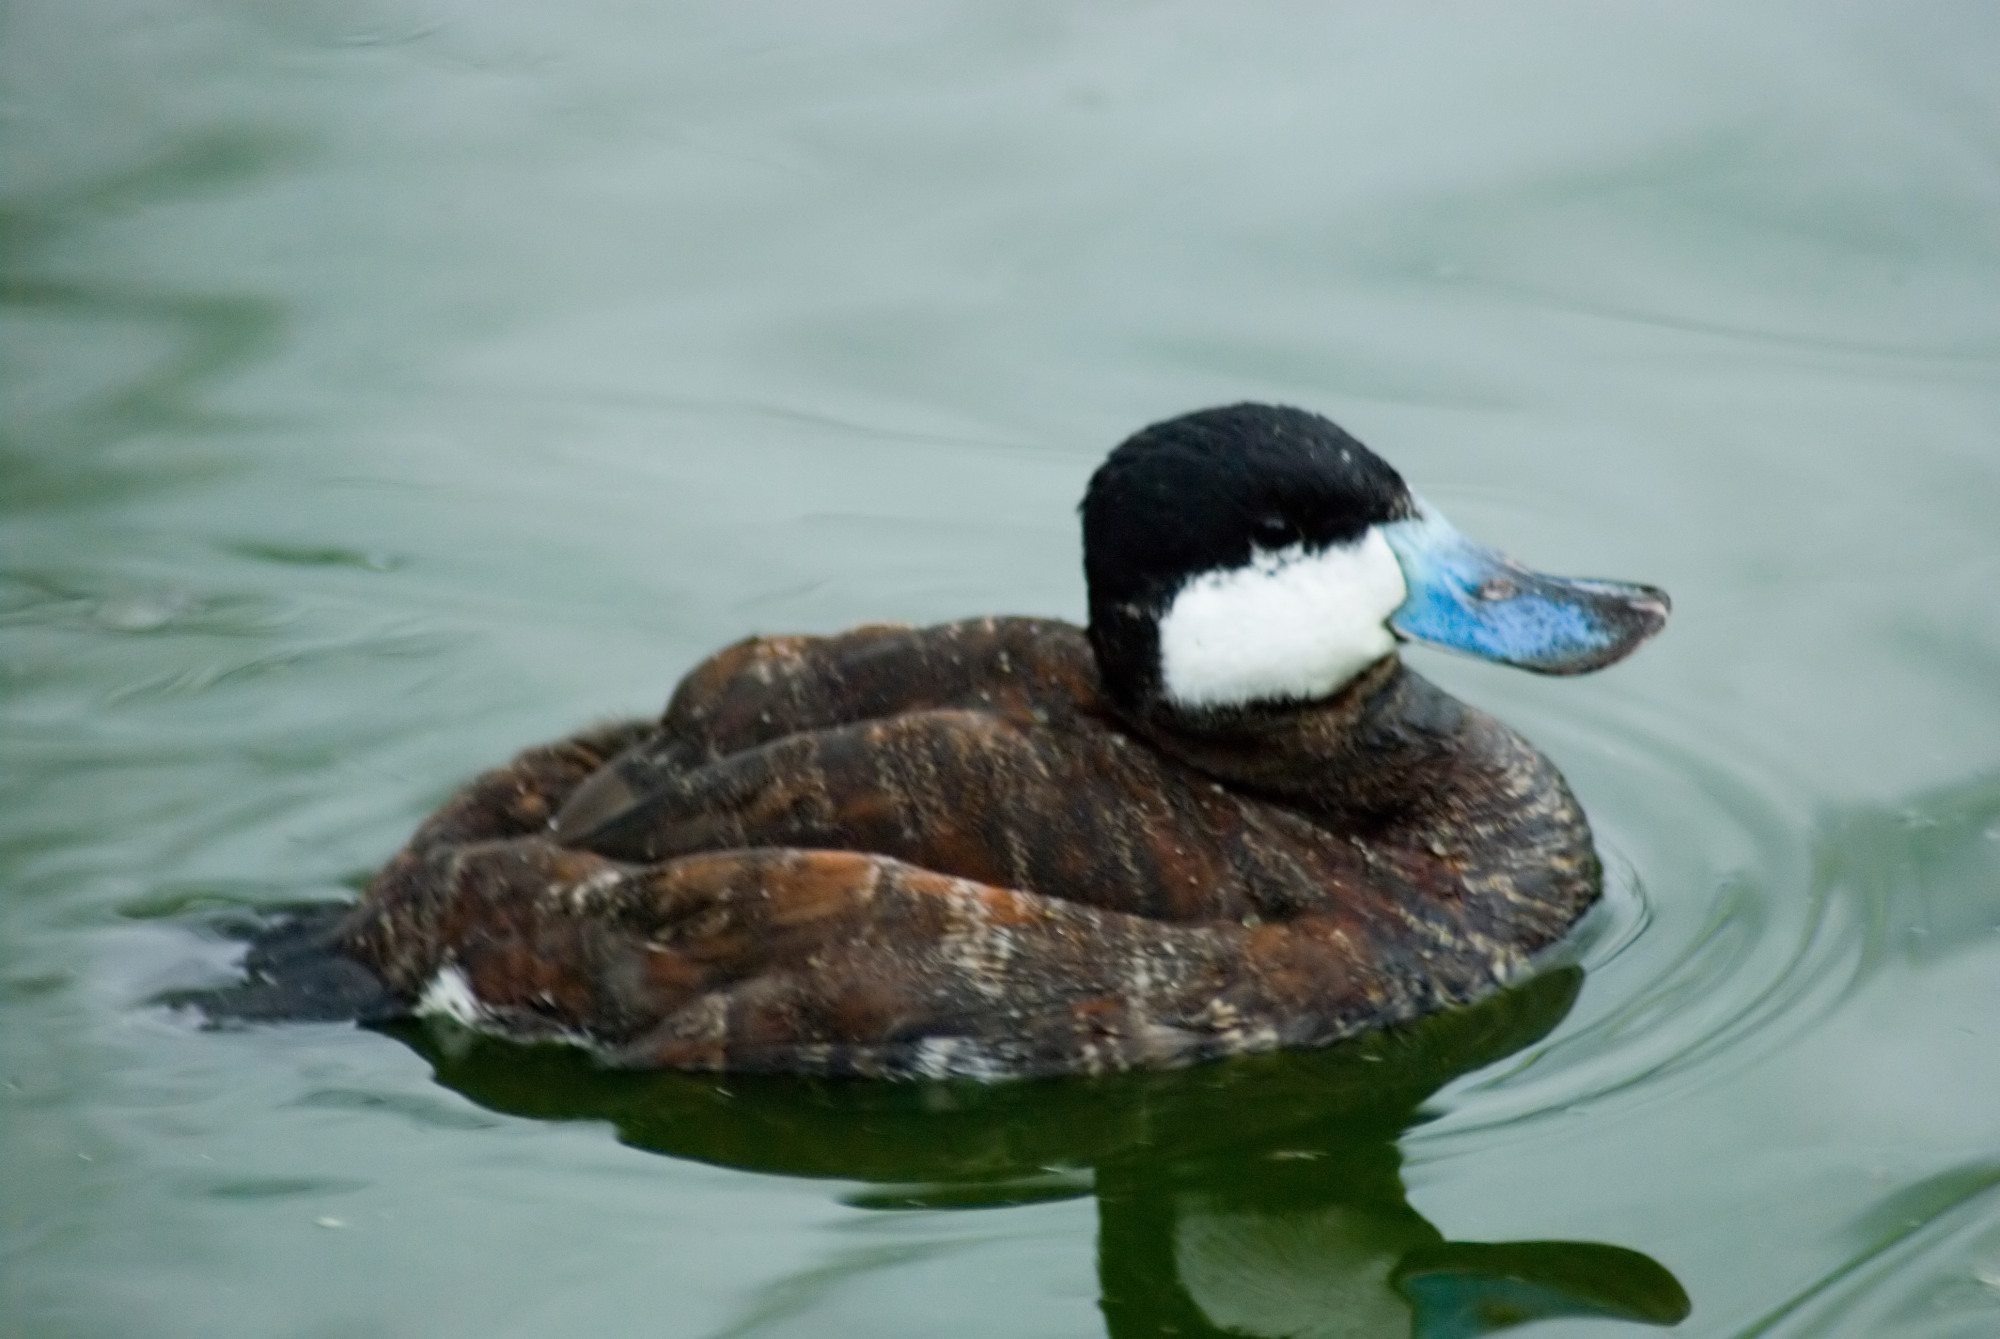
1388 746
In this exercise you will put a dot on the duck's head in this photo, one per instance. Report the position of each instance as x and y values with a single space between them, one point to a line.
1256 554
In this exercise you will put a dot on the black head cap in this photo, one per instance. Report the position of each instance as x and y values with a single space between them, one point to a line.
1198 493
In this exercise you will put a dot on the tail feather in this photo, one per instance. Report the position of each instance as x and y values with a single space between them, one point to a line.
296 971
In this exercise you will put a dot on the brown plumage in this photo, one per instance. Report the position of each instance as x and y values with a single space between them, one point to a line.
940 851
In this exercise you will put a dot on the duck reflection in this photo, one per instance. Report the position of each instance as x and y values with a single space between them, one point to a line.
1258 1197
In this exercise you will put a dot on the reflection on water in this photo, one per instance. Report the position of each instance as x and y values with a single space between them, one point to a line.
1260 1197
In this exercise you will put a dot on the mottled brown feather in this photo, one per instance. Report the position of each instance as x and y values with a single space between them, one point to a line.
941 851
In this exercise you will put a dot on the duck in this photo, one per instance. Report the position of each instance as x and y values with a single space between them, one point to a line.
1220 819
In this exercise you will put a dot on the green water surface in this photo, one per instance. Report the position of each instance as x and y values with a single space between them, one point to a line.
386 385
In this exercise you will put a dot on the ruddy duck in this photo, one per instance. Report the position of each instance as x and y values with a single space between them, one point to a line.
1224 818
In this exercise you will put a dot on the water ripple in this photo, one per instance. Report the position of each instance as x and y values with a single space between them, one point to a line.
1736 919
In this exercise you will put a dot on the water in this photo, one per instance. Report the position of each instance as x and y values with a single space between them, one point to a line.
391 383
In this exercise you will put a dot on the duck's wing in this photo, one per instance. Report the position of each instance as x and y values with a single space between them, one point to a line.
841 963
524 795
767 688
1082 813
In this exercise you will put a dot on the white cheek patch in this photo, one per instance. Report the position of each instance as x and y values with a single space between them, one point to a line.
1289 625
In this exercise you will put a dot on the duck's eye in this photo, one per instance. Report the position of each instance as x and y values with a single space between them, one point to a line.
1274 532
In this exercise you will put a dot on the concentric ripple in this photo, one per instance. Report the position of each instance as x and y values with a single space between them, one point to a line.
1719 936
